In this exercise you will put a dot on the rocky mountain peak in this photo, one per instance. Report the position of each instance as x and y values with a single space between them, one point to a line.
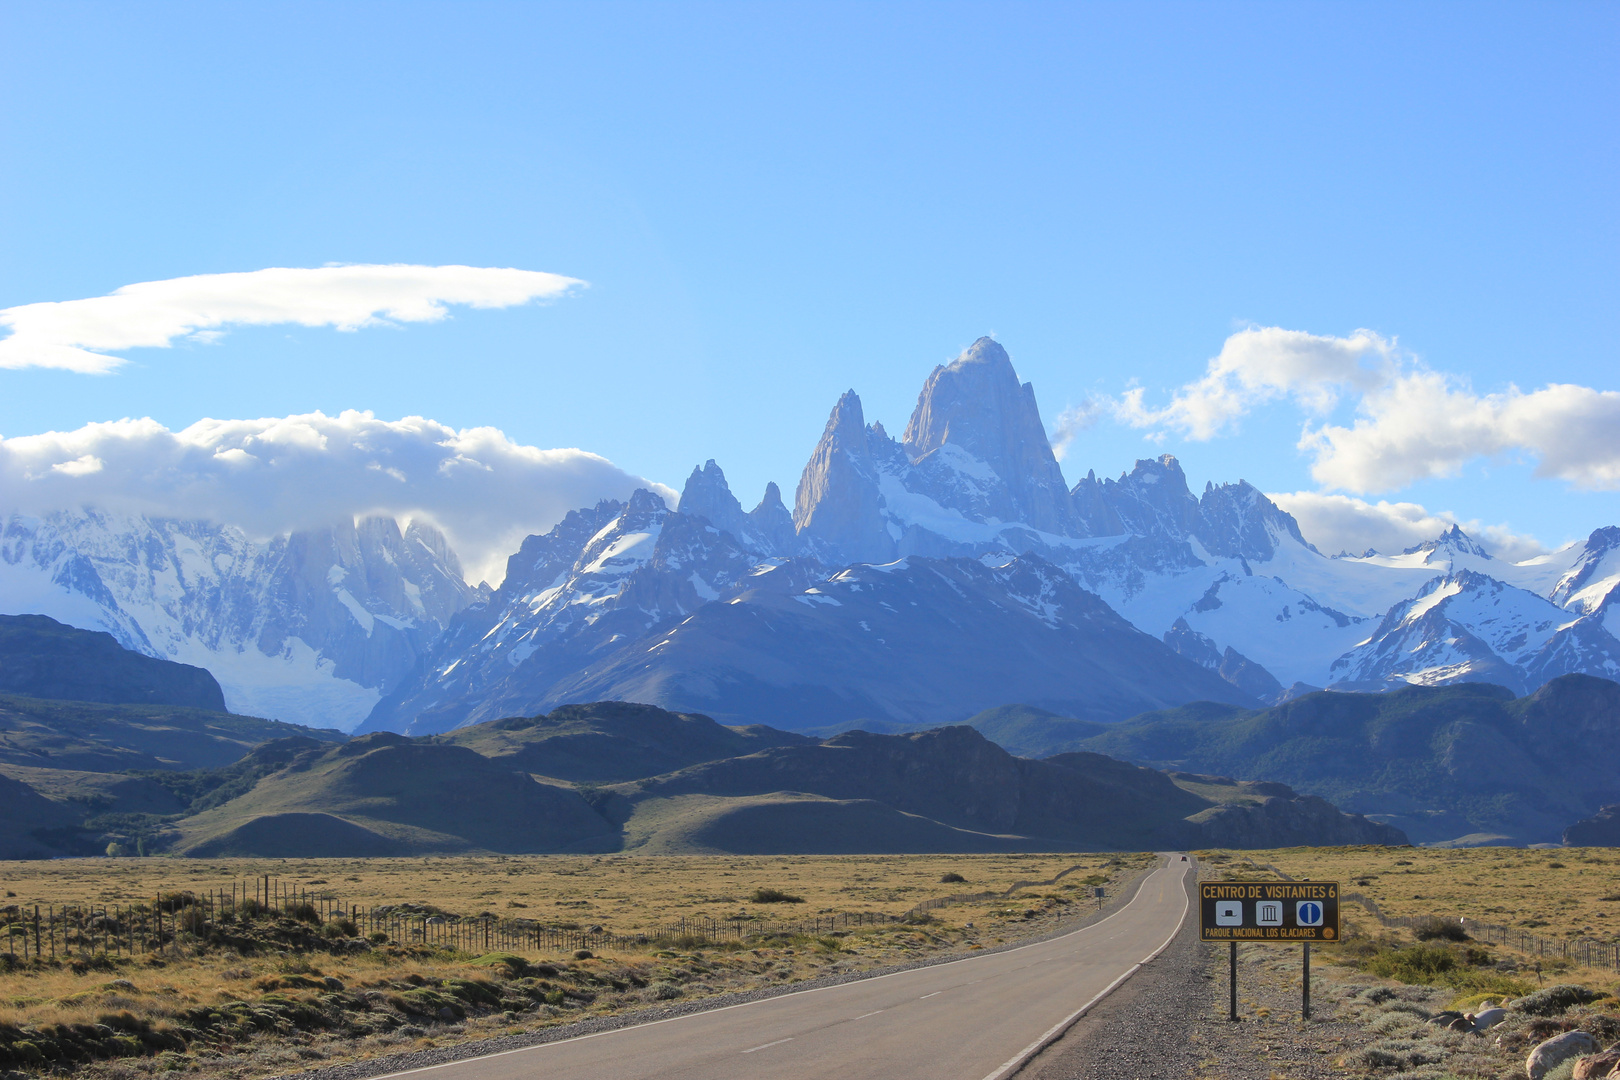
643 501
1153 499
838 505
976 404
707 495
1238 520
771 500
1451 542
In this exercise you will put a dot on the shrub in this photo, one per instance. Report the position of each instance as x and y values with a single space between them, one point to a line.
306 913
583 954
775 896
664 991
378 937
1554 1000
1432 928
513 964
1417 964
951 878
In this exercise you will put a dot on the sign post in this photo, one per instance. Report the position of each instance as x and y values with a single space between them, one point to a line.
1270 913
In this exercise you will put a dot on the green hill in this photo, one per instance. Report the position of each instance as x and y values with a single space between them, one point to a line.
612 741
1463 763
953 788
395 795
1030 732
96 737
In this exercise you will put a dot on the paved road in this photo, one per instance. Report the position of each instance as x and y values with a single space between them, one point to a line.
974 1019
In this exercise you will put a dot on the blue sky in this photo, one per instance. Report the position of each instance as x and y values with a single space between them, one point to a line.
773 203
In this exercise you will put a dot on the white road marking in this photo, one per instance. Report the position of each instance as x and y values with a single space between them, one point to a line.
1003 1071
863 1016
764 1046
936 993
1014 1063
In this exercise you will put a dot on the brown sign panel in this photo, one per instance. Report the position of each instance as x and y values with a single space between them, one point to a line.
1274 911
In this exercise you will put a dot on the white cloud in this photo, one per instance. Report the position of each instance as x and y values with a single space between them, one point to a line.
1072 421
1336 523
1425 424
77 335
1263 364
1412 423
274 475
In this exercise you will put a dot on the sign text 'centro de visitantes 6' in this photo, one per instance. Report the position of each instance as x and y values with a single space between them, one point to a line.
1269 911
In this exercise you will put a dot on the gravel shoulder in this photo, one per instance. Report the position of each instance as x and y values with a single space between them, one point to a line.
1170 1021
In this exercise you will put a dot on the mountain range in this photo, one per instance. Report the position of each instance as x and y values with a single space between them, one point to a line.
1465 764
917 580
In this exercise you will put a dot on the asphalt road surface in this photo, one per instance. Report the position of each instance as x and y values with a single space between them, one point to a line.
978 1018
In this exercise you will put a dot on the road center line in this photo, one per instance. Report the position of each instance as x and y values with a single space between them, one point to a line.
936 993
863 1016
764 1046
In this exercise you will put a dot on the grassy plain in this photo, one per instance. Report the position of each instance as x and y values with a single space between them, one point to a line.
623 893
261 1011
1553 892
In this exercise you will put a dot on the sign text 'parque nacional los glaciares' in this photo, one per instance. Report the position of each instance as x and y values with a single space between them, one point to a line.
1284 911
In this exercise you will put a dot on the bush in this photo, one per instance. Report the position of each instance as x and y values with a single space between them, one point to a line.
951 878
1432 928
377 937
775 896
1440 965
306 913
1417 964
1554 1000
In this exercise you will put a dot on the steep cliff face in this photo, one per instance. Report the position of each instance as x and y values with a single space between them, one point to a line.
838 507
976 433
765 530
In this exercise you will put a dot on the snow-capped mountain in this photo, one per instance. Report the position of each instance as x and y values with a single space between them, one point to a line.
311 627
768 614
1466 626
602 579
661 606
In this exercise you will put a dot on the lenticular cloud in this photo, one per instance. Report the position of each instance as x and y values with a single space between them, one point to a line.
78 335
269 476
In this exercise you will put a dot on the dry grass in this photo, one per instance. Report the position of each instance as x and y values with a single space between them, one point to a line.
1553 893
623 893
1556 893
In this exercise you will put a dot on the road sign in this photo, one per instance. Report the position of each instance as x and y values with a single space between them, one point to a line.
1280 912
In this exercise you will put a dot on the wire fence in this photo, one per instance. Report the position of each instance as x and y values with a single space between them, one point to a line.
1586 951
52 931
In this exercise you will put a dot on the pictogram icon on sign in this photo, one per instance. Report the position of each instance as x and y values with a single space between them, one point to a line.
1229 913
1268 913
1308 913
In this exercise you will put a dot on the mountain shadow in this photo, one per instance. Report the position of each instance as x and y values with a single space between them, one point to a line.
42 658
1467 763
